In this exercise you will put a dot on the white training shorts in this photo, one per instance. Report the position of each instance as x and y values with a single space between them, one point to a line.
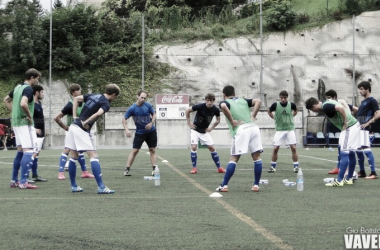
247 138
40 142
364 138
284 137
79 140
204 138
26 137
349 139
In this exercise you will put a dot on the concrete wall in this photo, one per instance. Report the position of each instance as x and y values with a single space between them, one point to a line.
175 133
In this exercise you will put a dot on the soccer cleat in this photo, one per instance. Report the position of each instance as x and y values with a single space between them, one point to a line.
334 171
272 170
348 182
255 188
86 174
30 181
371 177
194 171
362 174
127 173
295 170
105 190
222 188
335 183
27 186
61 176
221 170
40 179
76 189
14 184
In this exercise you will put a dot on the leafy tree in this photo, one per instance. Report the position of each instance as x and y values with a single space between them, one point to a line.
76 36
57 4
281 16
27 45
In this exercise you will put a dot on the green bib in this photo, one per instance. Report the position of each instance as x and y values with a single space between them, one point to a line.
240 112
18 115
283 117
337 120
69 118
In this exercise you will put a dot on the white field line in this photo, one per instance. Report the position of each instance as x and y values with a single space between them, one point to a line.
244 218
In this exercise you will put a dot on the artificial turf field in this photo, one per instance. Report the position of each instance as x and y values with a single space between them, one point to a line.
180 214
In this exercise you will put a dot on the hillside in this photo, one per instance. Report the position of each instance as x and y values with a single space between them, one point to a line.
297 62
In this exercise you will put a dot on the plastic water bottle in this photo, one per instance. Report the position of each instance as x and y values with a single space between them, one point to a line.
157 177
300 180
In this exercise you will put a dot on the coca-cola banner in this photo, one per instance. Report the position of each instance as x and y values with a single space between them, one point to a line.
172 99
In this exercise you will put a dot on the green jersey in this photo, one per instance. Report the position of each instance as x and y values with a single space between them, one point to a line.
240 111
69 117
283 117
336 118
18 115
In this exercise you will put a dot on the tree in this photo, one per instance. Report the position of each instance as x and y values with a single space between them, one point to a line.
281 16
27 45
57 4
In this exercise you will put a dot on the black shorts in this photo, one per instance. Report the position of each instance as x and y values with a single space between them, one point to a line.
150 139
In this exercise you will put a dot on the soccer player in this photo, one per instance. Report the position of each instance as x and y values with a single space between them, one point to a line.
75 90
200 130
144 117
331 94
79 138
284 112
349 139
245 133
21 102
367 114
39 125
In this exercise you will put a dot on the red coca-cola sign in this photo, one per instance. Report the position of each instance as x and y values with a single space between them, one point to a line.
172 99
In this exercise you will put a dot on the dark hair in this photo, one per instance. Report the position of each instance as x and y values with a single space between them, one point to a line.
210 97
142 91
311 102
74 87
332 93
283 93
112 89
31 73
229 90
37 88
365 85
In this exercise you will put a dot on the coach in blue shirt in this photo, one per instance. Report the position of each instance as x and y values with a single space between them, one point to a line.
144 117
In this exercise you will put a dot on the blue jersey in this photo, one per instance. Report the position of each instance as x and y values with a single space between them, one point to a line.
141 116
38 118
92 104
367 110
204 116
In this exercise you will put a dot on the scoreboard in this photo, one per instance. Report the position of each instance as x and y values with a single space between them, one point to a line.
171 106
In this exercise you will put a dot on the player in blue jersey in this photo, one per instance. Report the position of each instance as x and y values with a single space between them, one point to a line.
367 114
144 117
75 90
245 133
21 102
79 138
39 125
349 139
200 130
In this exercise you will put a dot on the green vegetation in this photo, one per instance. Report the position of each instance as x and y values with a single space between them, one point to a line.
180 214
96 46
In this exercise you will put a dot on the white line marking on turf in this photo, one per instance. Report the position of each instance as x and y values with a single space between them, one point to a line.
244 218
